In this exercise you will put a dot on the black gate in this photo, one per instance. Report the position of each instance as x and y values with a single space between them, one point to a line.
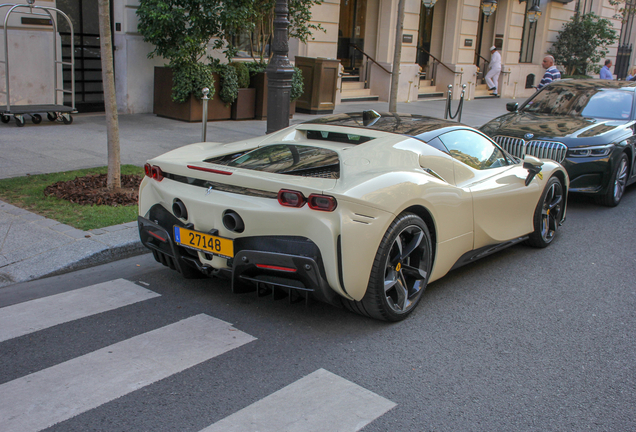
89 92
622 61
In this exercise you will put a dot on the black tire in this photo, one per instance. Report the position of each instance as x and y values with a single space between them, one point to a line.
5 118
36 118
616 186
67 119
402 265
548 214
19 121
51 116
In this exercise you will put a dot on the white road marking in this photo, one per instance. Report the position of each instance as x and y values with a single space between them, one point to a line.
47 397
34 315
321 401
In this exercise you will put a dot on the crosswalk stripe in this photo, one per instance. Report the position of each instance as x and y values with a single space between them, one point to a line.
52 395
28 317
321 401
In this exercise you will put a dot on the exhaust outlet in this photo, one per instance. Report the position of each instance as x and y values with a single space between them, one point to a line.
179 209
233 222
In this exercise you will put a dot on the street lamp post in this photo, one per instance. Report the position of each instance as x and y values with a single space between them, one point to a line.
279 72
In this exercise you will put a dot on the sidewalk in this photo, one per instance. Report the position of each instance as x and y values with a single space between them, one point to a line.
32 246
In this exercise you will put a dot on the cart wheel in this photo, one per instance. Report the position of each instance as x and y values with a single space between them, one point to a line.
5 118
51 116
36 118
67 118
19 121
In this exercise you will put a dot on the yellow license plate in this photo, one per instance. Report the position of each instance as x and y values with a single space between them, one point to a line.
204 242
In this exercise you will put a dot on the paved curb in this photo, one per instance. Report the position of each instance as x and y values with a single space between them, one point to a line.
33 247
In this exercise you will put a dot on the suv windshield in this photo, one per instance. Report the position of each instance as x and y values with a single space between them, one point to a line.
611 104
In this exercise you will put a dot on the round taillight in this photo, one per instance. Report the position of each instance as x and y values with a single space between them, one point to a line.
148 169
290 198
322 202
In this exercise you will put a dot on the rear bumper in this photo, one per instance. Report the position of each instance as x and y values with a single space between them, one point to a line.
288 262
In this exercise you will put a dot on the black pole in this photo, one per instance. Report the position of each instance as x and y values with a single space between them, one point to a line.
279 72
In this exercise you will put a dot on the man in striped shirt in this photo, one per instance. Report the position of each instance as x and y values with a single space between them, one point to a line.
551 73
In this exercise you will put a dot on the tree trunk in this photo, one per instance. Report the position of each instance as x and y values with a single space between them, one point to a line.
397 57
110 102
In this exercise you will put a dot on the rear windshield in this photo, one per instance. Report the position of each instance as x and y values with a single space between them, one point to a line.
593 102
287 159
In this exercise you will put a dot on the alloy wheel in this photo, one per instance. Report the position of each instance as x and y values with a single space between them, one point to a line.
621 179
406 271
551 212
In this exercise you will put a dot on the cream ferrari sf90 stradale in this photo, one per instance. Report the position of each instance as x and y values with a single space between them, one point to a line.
361 210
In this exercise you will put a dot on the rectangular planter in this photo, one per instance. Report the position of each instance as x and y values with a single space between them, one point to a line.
259 82
321 78
192 109
244 105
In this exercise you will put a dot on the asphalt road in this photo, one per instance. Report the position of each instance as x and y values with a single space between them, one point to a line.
525 340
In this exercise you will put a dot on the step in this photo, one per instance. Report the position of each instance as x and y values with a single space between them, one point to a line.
427 89
481 92
486 96
369 98
355 92
352 85
425 82
346 77
432 95
481 87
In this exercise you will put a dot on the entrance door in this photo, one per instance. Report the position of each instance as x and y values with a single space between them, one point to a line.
351 32
485 38
89 92
424 38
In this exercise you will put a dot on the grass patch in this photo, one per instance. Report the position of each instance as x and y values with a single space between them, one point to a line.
28 193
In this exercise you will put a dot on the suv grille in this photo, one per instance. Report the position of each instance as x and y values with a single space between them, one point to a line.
541 149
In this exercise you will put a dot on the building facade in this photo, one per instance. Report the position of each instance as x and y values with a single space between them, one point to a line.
445 43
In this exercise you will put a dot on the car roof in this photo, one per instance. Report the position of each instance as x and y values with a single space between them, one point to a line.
590 84
413 125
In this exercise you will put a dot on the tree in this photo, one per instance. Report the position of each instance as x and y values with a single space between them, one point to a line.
180 31
582 43
110 102
255 18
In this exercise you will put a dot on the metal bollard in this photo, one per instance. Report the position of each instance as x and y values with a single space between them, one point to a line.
461 103
448 98
205 100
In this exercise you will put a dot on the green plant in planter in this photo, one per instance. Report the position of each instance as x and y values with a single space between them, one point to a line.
298 84
243 74
191 78
180 31
255 67
229 81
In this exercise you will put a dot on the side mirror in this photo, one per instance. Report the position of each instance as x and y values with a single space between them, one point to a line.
512 106
533 165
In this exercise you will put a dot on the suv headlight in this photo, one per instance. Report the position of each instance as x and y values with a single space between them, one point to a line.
594 151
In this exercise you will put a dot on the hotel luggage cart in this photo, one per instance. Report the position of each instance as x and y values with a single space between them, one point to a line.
56 111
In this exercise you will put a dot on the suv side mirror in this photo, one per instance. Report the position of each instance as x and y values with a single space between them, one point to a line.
512 106
533 165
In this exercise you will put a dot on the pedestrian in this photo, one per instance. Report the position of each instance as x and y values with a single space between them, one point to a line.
551 72
632 75
605 72
492 77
